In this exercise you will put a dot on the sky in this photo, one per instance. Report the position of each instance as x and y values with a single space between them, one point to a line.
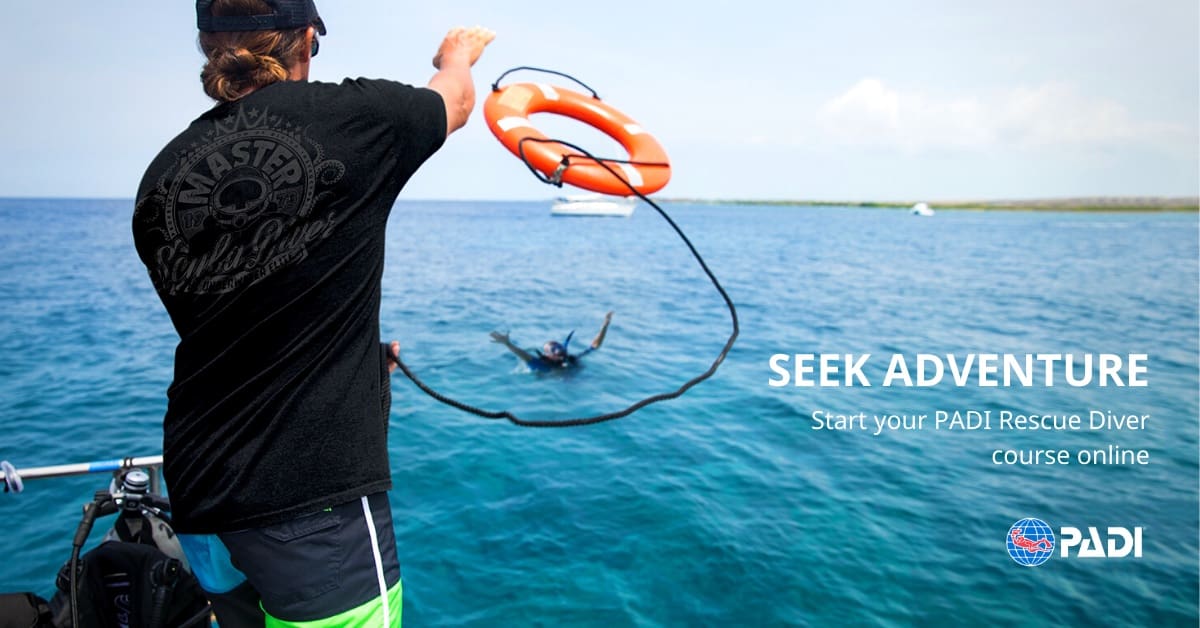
868 100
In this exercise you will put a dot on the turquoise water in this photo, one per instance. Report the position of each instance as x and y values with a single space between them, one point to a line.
723 507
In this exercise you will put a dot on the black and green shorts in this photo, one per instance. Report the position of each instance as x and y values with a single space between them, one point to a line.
335 567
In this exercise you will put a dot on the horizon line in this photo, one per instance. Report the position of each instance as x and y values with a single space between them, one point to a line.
1126 200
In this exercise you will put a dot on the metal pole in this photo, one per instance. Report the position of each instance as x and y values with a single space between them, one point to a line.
83 468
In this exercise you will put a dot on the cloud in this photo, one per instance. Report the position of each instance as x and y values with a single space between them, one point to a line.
869 112
1052 115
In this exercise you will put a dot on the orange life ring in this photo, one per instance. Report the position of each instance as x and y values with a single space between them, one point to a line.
507 113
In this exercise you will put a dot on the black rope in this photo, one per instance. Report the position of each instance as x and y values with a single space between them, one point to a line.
505 414
496 83
555 178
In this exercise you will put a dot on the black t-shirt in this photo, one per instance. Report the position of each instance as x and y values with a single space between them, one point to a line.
262 227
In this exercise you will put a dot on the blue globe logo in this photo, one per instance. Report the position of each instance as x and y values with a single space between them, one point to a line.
1030 542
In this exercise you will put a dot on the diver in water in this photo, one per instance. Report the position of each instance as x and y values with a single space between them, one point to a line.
553 354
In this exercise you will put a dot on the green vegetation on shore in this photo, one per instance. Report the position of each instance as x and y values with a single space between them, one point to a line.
1088 204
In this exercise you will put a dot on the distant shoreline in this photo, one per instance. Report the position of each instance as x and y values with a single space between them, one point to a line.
1083 204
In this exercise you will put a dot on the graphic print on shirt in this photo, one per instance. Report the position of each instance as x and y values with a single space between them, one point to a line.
237 205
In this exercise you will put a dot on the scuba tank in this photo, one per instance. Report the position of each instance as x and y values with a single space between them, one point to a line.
138 577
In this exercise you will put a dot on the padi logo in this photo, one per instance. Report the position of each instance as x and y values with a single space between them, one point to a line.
1031 542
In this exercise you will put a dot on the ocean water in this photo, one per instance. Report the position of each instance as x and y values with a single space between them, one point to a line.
723 507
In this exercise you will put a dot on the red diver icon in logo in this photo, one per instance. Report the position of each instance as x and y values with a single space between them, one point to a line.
1041 545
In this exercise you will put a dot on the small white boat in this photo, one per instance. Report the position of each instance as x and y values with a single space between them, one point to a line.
921 209
593 205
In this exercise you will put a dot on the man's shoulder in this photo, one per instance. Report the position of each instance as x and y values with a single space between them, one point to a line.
368 87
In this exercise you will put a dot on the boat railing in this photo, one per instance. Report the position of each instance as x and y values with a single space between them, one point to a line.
13 479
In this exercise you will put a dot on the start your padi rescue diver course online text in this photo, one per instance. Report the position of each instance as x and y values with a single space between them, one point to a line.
1005 421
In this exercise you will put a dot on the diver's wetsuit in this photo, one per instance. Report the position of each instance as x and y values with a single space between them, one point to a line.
539 362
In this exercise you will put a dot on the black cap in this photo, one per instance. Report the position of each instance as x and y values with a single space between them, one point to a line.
285 14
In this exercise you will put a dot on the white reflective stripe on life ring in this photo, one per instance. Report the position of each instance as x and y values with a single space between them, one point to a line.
513 122
632 174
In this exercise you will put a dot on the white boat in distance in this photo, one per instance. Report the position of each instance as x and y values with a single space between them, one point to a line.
921 209
593 205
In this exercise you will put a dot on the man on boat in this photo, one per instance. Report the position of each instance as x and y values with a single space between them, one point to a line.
553 355
262 226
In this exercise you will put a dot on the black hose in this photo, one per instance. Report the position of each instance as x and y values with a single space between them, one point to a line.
164 575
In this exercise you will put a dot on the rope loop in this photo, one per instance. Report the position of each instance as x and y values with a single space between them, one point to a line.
496 83
556 179
12 480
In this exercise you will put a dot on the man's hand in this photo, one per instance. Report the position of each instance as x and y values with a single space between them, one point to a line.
393 354
499 337
463 43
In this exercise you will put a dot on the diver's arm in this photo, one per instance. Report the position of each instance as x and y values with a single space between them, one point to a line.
599 339
503 339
